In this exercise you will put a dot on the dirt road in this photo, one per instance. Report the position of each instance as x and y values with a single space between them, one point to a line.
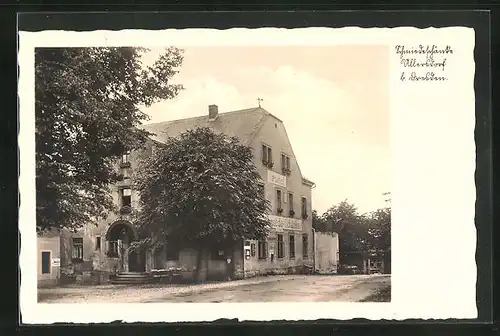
351 288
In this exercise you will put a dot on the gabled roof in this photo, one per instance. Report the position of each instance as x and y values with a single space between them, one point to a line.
243 124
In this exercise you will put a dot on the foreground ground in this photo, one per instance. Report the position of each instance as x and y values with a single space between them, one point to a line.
299 288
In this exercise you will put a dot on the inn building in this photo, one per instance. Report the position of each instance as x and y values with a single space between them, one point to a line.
96 251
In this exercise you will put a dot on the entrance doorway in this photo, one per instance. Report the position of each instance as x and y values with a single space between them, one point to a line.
136 262
119 236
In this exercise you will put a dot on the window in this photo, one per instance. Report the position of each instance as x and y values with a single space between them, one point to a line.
262 247
292 246
290 204
126 195
77 249
113 249
97 243
46 262
285 164
280 246
305 245
125 173
304 207
218 253
171 252
252 250
267 155
125 161
279 207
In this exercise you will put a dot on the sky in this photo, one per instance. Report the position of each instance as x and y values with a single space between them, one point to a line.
333 100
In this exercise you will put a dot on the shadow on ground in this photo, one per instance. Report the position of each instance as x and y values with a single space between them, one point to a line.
380 295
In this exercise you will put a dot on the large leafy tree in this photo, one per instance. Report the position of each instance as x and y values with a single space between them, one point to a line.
200 189
357 232
344 219
87 104
379 229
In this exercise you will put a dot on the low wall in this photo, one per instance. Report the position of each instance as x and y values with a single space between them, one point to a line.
297 269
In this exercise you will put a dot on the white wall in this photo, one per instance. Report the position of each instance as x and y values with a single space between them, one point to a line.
326 252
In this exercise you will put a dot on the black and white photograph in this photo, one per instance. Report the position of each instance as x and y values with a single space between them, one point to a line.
241 172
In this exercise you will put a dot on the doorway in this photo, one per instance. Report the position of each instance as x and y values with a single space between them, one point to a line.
135 262
119 236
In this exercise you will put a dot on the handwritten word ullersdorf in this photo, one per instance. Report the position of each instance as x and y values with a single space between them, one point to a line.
423 60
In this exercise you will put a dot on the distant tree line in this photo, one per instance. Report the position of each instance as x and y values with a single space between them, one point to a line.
357 232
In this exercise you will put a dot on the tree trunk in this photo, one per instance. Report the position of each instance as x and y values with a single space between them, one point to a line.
230 267
201 265
198 264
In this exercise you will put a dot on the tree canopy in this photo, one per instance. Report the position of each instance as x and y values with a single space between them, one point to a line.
357 232
200 189
87 104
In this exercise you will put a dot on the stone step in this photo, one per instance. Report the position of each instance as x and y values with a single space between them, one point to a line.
132 278
130 281
134 275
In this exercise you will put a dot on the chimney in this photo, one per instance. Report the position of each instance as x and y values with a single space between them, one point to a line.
213 112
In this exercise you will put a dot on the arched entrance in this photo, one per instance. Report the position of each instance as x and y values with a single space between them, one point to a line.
119 236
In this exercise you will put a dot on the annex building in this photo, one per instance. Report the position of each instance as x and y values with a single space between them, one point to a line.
95 252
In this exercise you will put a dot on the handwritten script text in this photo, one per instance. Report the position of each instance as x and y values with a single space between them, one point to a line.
424 63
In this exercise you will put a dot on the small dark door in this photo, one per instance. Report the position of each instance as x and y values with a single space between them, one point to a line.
137 262
45 262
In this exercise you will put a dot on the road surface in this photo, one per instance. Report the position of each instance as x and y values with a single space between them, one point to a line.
295 288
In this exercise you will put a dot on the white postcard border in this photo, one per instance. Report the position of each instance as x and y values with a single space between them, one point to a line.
433 193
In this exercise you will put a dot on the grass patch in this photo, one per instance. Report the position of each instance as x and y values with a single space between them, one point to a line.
380 295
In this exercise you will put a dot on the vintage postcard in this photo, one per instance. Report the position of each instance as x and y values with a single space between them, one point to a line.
258 174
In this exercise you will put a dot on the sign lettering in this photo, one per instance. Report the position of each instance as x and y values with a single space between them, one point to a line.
285 223
277 179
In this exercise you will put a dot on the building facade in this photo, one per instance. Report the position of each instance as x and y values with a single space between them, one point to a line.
96 251
49 262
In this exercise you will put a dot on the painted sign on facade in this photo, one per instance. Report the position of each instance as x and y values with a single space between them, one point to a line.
285 223
275 178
